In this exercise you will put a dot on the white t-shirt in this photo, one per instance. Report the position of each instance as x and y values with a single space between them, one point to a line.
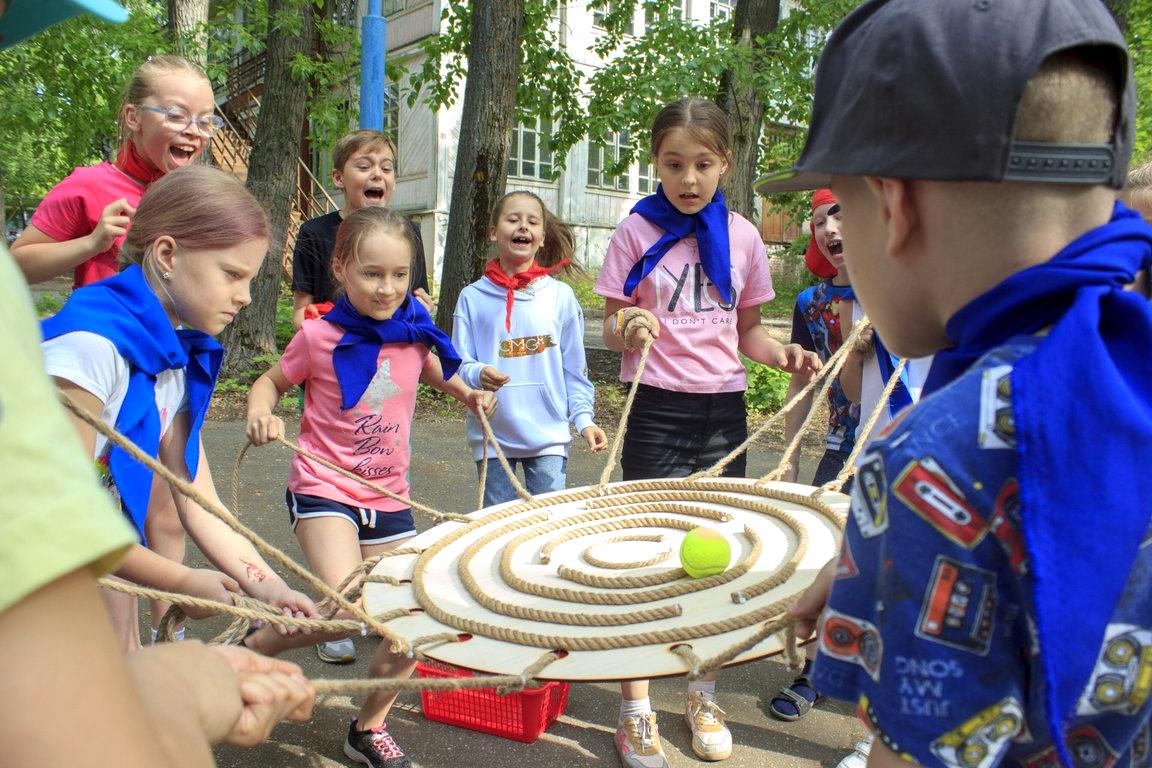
872 383
92 363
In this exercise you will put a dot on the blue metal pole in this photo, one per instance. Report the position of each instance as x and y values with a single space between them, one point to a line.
373 45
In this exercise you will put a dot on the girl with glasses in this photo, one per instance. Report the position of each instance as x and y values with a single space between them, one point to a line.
166 121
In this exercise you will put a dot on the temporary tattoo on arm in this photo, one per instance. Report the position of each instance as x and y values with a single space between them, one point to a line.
254 572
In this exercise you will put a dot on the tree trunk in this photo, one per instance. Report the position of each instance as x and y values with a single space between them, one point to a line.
741 101
272 175
485 132
1119 10
188 24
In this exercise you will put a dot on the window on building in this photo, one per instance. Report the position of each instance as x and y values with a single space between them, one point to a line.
655 9
531 153
721 10
646 182
392 116
610 7
602 158
392 7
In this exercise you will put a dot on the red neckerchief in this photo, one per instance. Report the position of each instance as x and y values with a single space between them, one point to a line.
135 166
317 311
518 281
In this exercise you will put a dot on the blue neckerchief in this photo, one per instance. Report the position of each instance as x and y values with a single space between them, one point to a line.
356 357
900 397
124 310
1086 390
710 226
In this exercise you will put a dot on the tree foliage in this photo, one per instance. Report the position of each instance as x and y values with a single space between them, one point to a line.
61 92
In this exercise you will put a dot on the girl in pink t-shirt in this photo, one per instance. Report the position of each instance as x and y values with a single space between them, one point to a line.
166 122
362 363
685 271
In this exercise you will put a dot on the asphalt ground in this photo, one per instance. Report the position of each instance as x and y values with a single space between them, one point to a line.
444 477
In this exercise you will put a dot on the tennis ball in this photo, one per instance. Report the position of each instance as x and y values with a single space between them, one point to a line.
705 552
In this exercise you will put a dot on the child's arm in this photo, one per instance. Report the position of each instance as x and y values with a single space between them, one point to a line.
158 706
42 257
581 393
621 332
757 344
852 374
475 373
300 302
227 550
141 565
475 399
264 426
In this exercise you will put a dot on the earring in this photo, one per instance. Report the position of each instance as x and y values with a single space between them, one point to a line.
167 275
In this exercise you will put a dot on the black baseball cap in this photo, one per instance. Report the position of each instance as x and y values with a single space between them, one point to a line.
928 89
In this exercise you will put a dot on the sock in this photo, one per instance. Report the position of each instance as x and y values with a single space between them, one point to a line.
707 686
635 707
156 633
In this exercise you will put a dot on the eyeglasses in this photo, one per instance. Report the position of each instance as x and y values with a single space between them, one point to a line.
178 118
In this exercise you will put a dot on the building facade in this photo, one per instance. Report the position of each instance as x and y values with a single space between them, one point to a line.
583 193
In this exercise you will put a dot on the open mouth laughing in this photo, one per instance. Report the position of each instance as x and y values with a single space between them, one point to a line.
182 154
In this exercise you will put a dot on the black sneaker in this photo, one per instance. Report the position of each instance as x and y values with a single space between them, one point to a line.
374 748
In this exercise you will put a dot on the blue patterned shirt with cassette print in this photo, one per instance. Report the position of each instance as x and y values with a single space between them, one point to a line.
930 627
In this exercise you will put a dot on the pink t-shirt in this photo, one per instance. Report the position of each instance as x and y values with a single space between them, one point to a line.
371 438
72 208
696 351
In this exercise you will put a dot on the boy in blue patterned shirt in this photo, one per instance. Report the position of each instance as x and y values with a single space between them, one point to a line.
992 602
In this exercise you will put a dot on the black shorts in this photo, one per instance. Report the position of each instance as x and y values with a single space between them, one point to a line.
673 434
372 525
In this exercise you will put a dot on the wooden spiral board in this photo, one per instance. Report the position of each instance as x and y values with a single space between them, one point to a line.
629 537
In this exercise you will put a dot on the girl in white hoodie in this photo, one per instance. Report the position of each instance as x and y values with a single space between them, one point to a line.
520 333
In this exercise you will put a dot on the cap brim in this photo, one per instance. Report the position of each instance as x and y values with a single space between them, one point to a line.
791 180
25 18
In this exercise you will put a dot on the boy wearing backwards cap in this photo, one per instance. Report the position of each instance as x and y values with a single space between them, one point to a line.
992 602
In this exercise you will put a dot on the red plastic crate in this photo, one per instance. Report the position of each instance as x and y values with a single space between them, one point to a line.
522 716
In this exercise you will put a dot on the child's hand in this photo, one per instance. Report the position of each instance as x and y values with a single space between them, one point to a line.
812 601
207 584
636 326
864 342
795 359
479 400
264 428
422 296
271 690
491 379
292 604
113 223
595 437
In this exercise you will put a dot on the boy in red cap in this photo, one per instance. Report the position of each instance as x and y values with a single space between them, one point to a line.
820 321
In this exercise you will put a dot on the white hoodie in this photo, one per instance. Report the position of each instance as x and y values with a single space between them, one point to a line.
543 355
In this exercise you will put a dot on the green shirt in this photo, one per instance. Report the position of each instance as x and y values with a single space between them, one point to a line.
54 515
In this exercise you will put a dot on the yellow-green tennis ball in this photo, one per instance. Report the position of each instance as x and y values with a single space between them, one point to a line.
704 552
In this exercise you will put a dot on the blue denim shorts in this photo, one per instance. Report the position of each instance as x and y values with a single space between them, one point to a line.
372 525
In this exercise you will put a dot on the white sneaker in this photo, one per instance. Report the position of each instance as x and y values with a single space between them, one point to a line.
711 739
337 651
859 756
638 742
